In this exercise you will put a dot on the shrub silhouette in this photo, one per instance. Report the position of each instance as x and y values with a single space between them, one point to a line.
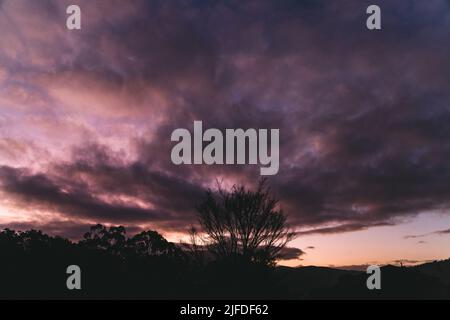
244 224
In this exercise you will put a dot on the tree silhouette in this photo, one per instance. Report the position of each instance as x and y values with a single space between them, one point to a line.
115 241
112 240
151 243
241 223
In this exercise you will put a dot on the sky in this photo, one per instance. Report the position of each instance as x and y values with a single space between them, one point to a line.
86 118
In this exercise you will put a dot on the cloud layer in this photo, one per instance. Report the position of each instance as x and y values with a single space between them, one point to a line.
86 116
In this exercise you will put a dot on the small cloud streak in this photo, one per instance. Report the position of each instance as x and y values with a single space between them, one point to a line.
342 228
437 232
289 253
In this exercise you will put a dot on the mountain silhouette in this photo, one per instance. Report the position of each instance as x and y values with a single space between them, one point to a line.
426 281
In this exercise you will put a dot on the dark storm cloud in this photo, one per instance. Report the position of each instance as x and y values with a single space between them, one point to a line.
91 187
73 199
363 116
108 173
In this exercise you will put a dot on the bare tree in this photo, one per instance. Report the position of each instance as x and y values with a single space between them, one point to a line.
244 223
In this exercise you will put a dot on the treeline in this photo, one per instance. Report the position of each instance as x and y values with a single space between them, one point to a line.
233 254
34 265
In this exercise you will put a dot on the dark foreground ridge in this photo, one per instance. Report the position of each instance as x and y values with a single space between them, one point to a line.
147 266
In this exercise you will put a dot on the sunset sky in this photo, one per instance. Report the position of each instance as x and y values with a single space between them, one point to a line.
364 116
